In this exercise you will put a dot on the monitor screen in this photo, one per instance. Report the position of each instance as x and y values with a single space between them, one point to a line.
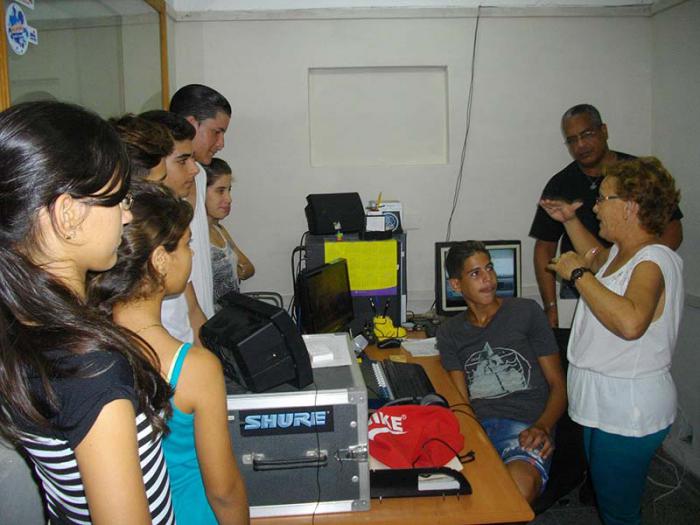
505 256
325 301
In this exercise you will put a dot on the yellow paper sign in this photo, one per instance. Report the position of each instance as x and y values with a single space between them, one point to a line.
372 265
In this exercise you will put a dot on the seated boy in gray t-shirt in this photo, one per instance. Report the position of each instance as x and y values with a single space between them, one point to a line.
503 359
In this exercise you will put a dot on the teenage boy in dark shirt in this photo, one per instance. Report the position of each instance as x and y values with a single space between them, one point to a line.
503 359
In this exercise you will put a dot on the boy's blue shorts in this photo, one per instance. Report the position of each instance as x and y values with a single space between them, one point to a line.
504 434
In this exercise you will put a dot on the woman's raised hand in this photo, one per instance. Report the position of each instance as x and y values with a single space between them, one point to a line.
560 210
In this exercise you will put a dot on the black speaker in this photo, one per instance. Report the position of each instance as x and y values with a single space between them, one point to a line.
327 213
258 344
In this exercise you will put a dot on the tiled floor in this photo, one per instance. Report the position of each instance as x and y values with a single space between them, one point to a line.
661 505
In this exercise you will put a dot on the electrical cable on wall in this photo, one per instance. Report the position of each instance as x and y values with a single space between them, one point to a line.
458 184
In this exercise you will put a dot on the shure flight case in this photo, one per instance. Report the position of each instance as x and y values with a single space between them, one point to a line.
305 451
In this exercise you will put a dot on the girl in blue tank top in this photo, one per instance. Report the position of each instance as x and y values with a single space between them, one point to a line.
154 261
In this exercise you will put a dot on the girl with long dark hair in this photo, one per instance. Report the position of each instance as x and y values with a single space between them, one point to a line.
77 394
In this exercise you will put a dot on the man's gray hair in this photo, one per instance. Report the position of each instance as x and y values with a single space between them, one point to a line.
583 109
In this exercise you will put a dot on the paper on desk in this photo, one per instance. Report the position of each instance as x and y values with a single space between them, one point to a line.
420 347
434 482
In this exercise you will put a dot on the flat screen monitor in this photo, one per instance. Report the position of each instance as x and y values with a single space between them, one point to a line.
258 344
324 298
505 256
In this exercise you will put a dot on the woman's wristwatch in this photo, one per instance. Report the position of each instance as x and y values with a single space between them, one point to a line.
577 273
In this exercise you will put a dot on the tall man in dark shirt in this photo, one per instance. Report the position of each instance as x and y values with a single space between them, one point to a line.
586 137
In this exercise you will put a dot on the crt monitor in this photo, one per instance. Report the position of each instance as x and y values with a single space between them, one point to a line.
258 344
324 298
505 256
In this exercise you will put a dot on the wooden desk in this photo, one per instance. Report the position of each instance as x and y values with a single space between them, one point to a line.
494 498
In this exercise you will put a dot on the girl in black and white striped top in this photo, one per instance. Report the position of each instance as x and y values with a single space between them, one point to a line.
76 393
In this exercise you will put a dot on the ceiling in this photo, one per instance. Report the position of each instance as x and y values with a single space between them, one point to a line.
235 5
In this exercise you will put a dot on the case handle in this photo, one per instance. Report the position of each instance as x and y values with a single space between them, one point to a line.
291 463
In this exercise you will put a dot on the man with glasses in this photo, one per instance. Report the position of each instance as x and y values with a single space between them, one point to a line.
586 138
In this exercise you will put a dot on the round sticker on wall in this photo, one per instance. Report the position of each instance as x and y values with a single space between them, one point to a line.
19 33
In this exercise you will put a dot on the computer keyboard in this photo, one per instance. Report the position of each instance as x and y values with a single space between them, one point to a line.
389 380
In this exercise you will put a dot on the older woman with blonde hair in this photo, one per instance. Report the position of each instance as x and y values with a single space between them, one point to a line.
624 330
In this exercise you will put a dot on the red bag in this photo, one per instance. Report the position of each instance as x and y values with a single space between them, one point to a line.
412 436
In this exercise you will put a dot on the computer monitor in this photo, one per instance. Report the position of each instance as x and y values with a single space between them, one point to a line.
505 256
258 344
324 298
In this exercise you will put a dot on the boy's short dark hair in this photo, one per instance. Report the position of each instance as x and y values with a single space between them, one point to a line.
198 101
454 262
178 126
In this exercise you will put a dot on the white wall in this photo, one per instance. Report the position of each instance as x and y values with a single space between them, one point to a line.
528 71
676 139
676 116
140 54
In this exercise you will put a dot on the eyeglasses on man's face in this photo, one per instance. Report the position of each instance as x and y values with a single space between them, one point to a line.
585 136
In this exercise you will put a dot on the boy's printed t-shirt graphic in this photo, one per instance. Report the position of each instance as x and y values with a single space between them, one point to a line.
496 372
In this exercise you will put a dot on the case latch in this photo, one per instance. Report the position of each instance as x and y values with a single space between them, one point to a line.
352 453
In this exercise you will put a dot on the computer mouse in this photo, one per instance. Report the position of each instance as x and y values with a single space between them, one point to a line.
390 342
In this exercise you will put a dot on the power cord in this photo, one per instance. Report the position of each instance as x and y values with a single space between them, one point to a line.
453 409
295 272
318 462
674 468
292 308
458 184
463 459
672 488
